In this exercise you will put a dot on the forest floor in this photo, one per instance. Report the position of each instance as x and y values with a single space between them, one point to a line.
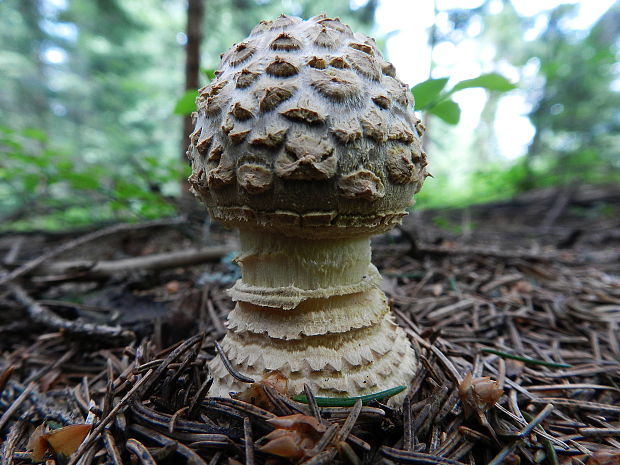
114 327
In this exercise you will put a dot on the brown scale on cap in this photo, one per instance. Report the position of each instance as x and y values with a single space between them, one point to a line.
202 145
382 101
229 124
317 62
305 112
245 78
306 158
362 48
400 132
254 178
285 42
271 97
238 135
336 85
241 111
222 174
346 131
324 36
400 166
361 184
365 64
240 53
270 137
375 125
339 62
282 67
216 153
307 142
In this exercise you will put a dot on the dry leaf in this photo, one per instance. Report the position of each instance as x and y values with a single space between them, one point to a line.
479 394
294 436
65 441
284 444
298 422
62 441
256 395
38 444
173 287
437 290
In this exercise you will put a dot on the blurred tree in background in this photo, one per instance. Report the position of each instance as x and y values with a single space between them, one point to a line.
570 80
576 114
574 95
88 131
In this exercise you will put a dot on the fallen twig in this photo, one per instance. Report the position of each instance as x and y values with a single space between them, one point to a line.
44 316
93 269
34 263
16 404
546 257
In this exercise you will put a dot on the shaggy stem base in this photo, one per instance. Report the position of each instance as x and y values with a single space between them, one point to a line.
312 312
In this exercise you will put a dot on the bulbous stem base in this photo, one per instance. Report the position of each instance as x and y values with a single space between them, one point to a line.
312 312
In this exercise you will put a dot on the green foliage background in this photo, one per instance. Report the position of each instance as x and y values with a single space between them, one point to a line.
91 97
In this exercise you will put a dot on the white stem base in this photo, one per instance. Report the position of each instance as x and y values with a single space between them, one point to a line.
312 311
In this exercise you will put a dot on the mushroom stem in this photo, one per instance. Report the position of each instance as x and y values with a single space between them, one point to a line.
275 261
312 311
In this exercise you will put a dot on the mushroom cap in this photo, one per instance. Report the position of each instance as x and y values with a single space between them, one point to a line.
307 132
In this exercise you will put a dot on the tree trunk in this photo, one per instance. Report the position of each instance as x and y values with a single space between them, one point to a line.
195 15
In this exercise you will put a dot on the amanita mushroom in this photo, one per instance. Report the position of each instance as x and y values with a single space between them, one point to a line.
307 142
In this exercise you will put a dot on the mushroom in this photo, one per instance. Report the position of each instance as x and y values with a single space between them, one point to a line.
308 144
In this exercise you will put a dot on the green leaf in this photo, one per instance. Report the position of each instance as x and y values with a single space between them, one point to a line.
447 110
31 182
116 205
83 181
427 92
186 104
64 166
126 190
209 73
152 161
492 81
28 159
34 133
10 143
